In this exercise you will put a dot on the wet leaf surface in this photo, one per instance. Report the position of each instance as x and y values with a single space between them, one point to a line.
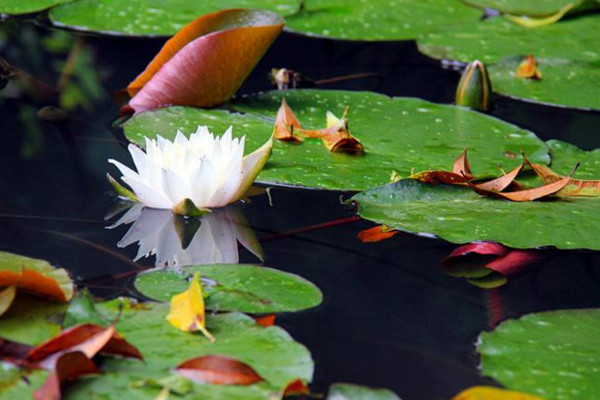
27 6
459 215
551 354
401 134
495 38
245 288
137 18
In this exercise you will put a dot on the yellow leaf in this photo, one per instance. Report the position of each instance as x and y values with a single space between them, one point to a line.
492 393
187 309
529 22
6 298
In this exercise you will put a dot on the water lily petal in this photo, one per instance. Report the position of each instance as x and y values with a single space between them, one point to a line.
252 164
174 187
148 195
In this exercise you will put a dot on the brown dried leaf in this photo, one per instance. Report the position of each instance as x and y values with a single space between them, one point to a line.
69 366
376 234
286 124
218 370
524 195
501 183
575 187
529 69
461 166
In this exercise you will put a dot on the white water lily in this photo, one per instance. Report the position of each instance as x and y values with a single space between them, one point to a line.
205 170
214 240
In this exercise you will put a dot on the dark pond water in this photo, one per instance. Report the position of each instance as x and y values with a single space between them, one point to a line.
390 316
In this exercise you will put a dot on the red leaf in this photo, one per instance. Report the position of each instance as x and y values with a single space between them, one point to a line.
13 352
479 248
266 320
515 261
206 62
69 366
376 234
218 370
296 388
89 339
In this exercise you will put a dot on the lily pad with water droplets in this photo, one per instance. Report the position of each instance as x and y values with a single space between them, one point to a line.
150 18
398 134
492 39
573 84
245 288
459 215
271 352
379 19
552 354
15 7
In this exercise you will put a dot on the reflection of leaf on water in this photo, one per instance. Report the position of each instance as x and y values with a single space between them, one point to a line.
177 241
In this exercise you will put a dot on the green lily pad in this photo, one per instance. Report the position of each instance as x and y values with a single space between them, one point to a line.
13 7
551 354
565 83
398 134
495 38
531 8
348 391
566 155
270 351
31 320
379 19
155 18
244 288
459 215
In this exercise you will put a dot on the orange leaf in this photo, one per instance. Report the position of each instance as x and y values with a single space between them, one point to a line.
69 366
218 370
89 339
438 177
376 234
206 62
35 276
529 69
336 135
575 187
501 183
461 166
524 195
296 388
285 124
266 320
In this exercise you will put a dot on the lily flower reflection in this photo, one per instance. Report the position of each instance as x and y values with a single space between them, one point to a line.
178 241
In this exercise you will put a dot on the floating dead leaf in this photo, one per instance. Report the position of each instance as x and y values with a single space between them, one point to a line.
575 187
523 195
439 177
90 339
218 370
461 166
206 61
187 309
35 276
266 320
492 393
529 69
376 234
69 366
296 388
501 183
285 124
7 296
337 137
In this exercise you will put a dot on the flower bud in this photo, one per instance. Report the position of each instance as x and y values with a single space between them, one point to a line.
474 88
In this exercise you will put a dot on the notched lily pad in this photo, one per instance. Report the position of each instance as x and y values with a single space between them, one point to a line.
398 134
244 288
460 215
552 354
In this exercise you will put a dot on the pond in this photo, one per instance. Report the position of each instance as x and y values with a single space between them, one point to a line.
393 315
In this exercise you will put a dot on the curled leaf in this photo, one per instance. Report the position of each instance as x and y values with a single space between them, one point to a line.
285 124
90 339
461 166
187 309
218 370
337 137
501 183
206 61
376 234
296 388
35 276
492 393
523 195
530 22
529 69
575 187
439 177
69 366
